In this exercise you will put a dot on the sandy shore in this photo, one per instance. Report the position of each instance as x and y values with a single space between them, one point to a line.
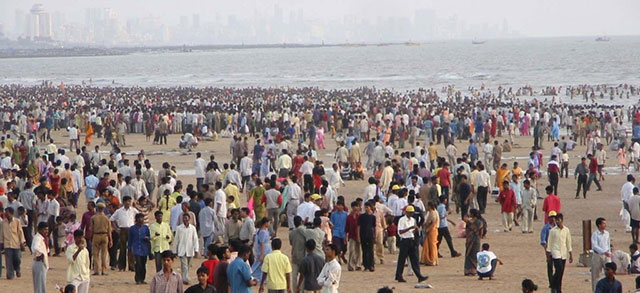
521 253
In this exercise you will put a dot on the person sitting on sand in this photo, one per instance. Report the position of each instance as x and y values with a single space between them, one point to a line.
487 262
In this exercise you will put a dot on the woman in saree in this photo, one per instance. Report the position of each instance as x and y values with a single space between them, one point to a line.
258 206
475 228
261 247
320 138
33 172
88 134
430 246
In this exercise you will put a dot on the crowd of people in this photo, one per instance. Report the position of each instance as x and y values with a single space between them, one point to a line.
234 211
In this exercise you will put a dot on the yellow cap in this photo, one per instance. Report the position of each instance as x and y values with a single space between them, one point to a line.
395 187
101 205
409 209
552 214
316 196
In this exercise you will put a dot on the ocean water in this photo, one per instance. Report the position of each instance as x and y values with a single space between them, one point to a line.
511 63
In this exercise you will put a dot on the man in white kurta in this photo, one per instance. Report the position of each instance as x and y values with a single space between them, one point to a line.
186 245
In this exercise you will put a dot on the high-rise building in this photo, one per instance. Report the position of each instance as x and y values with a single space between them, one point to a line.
40 23
196 21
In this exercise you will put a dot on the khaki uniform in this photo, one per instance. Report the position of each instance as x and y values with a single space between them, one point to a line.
101 227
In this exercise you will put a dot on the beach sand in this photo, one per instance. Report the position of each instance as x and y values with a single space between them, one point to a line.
522 255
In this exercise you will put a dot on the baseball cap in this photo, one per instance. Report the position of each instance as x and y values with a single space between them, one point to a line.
316 196
552 214
409 209
395 187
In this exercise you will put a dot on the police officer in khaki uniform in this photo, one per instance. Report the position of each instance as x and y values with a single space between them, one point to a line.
101 240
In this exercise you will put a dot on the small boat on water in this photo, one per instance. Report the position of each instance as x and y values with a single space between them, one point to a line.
411 44
602 39
477 42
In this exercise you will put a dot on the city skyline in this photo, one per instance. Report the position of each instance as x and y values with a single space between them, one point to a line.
112 23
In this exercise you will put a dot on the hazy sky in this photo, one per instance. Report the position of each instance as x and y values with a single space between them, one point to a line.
526 17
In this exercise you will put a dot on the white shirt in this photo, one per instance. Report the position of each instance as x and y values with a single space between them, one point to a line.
176 212
404 223
484 261
53 208
124 218
38 248
295 192
329 277
73 133
199 165
369 192
205 218
306 168
6 163
483 179
246 164
139 187
220 204
398 205
600 242
186 240
626 191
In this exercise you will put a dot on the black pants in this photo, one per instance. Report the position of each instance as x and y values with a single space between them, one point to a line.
582 184
489 274
445 193
367 253
113 250
464 208
556 279
553 181
308 182
141 268
482 198
407 249
157 257
564 169
550 272
444 232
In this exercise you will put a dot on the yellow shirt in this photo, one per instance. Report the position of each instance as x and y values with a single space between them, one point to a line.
276 265
78 267
232 190
433 152
165 206
559 243
517 172
160 243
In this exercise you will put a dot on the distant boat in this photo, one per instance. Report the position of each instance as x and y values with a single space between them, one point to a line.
602 39
412 44
477 42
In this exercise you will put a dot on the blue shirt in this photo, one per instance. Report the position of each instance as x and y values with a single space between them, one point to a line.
544 234
636 131
238 273
473 150
91 182
442 212
137 244
339 220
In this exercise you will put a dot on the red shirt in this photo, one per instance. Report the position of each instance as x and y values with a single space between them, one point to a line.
551 203
593 165
508 201
85 224
444 175
211 265
352 226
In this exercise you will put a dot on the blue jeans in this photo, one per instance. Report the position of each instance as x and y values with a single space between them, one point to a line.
206 240
13 257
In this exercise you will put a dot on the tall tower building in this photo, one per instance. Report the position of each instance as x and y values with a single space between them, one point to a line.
40 23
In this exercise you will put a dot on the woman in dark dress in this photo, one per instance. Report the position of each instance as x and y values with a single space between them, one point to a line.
475 230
